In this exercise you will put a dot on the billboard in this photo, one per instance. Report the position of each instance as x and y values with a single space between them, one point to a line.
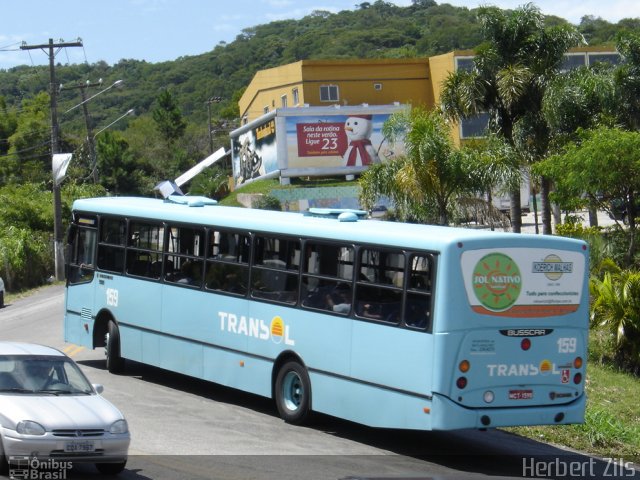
312 141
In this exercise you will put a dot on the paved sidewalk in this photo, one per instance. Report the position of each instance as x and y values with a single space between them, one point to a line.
528 221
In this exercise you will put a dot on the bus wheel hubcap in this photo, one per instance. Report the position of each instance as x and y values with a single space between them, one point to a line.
292 390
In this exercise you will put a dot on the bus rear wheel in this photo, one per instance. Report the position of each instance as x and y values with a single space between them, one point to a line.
115 363
293 393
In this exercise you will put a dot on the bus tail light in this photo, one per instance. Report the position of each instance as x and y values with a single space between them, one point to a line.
525 344
464 366
461 382
577 363
488 396
577 378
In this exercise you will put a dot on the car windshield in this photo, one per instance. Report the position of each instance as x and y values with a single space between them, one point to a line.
55 375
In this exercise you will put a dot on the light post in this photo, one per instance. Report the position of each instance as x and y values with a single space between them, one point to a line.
128 112
87 119
115 84
83 104
57 201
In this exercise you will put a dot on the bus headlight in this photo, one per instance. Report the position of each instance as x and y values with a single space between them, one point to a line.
488 396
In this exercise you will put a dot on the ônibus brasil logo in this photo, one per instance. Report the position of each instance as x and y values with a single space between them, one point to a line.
496 281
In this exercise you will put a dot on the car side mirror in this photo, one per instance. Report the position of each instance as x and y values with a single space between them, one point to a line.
98 387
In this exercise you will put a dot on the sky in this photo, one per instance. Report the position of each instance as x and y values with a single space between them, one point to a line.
162 30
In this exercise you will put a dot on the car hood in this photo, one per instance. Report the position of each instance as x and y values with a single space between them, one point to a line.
58 412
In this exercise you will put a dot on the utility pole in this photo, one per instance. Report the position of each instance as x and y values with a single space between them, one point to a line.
57 200
87 120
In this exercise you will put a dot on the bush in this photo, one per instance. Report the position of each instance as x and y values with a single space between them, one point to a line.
615 309
26 258
267 202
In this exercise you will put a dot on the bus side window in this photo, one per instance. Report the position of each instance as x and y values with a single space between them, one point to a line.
83 251
227 267
417 313
112 244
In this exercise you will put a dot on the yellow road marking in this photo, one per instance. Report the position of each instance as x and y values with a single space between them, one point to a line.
72 350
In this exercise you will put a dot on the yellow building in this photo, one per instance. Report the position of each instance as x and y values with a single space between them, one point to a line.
413 81
341 82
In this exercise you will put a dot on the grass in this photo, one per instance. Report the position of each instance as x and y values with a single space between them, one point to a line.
264 187
612 423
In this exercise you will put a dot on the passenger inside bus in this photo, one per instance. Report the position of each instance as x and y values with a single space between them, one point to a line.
339 299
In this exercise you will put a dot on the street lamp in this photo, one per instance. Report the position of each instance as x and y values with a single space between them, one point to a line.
57 201
128 112
115 84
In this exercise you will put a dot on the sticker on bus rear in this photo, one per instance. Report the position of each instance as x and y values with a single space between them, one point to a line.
523 282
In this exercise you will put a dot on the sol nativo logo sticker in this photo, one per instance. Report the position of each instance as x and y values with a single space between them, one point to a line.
497 281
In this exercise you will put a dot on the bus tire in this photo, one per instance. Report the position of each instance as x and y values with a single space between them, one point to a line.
115 363
293 393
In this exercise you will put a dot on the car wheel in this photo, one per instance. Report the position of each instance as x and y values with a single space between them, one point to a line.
115 363
293 393
111 468
1 299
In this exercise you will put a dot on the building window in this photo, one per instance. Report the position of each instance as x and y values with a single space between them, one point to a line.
475 126
296 96
612 58
572 60
328 93
464 64
265 109
377 86
283 101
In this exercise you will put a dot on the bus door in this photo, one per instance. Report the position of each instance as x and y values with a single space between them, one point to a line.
80 271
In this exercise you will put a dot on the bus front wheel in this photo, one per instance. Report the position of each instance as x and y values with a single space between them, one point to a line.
293 393
115 363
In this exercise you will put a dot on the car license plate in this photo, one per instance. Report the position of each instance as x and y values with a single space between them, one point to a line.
79 446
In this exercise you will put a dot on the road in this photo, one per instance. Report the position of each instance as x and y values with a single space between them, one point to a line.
184 428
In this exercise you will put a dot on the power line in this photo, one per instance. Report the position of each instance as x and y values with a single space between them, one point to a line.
17 152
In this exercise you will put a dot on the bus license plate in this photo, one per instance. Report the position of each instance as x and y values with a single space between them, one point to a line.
79 446
520 394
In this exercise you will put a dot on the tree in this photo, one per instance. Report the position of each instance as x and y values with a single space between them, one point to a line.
628 78
604 165
422 183
616 309
29 157
168 118
118 171
511 70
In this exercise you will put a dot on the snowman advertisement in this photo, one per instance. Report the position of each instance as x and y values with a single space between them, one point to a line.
345 142
360 150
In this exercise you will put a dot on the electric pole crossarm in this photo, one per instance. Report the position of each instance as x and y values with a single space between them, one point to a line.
50 45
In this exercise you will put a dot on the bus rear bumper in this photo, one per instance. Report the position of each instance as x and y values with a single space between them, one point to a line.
448 415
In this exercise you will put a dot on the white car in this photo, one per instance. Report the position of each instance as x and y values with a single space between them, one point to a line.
50 412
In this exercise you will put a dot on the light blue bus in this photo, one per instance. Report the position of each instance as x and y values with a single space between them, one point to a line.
386 324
